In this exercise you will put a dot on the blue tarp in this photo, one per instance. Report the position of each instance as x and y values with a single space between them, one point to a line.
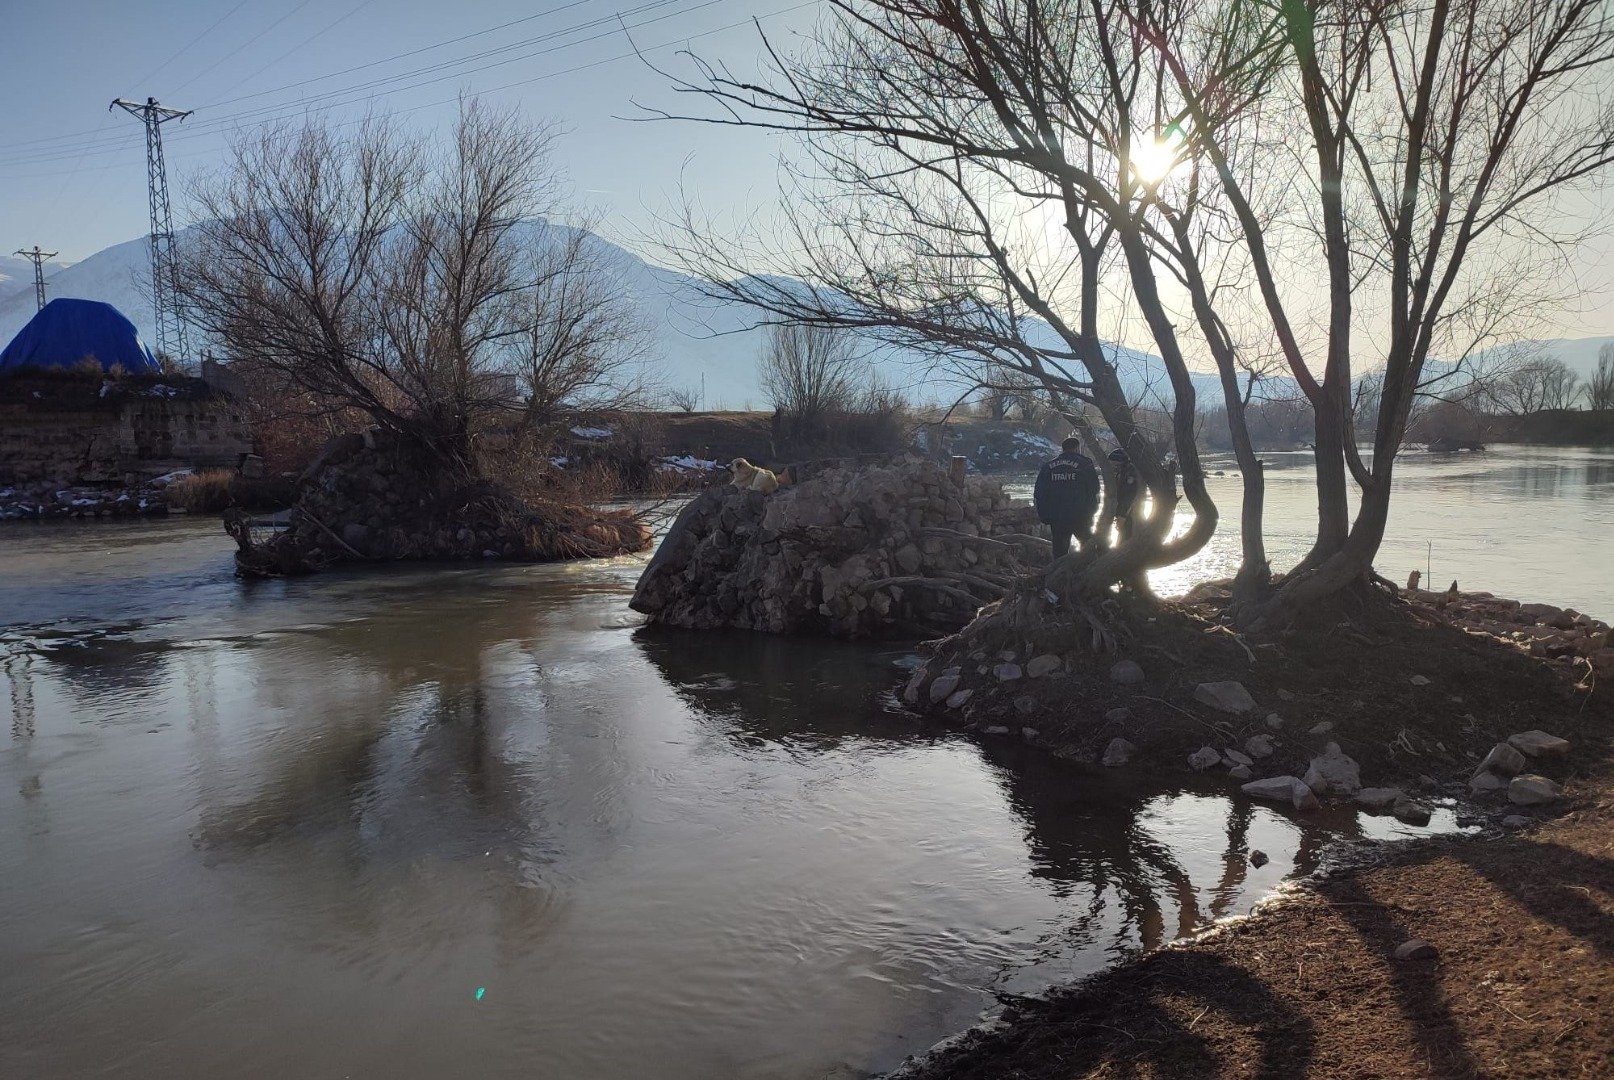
65 331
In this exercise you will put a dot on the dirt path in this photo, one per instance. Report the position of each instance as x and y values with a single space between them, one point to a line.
1521 983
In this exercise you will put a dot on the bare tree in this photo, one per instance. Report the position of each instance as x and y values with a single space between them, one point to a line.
811 371
1600 387
418 285
1530 384
684 399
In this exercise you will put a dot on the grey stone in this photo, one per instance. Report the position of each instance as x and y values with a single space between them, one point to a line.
1258 746
1415 949
1274 722
908 558
1046 664
1517 821
1007 672
1379 798
1304 797
1284 695
1258 858
1205 757
958 697
1504 760
1419 680
1241 772
994 729
1025 704
1322 727
1483 783
1126 672
1119 752
1333 772
943 687
1237 757
1225 696
1539 743
1531 790
1118 715
910 693
1029 733
1413 813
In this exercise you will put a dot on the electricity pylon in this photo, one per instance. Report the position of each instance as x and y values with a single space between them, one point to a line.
164 270
38 258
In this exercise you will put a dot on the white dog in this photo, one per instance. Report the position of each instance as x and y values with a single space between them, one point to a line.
747 475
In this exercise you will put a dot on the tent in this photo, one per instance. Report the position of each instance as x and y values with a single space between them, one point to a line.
65 331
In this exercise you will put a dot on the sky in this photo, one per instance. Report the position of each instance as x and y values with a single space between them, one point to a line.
72 174
73 177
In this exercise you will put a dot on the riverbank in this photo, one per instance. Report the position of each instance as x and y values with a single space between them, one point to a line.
1511 976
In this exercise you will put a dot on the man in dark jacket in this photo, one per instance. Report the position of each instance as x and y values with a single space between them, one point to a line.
1126 492
1067 495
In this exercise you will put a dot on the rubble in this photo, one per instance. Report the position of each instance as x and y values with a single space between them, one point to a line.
847 551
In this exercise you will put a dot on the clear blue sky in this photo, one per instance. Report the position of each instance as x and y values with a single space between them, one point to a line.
72 176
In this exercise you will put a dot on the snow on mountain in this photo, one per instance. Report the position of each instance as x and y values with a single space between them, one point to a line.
17 276
690 335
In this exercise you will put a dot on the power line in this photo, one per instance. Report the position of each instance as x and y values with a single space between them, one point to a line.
164 270
38 258
220 122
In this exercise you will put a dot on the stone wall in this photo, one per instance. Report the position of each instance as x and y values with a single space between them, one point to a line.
60 431
866 551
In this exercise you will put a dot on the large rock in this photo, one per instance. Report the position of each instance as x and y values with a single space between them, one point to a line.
1530 790
944 686
1119 752
1504 760
1485 782
1126 672
1289 789
848 551
1333 773
1379 798
1538 744
1259 746
1226 696
1046 664
1205 757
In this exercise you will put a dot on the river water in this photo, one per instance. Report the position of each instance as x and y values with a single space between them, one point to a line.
474 821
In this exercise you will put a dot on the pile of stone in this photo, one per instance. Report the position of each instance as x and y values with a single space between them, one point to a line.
34 501
1508 768
1546 631
900 547
370 497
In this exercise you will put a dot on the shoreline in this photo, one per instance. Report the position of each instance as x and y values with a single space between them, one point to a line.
1447 956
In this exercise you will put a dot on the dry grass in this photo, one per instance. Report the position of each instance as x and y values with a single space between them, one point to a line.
206 492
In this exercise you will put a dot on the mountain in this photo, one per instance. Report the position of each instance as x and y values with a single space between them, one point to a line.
690 336
17 277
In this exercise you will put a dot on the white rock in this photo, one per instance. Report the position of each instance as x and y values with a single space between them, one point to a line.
1126 672
1419 680
1504 760
1029 733
1333 772
1225 696
1046 664
1204 758
1258 746
1539 743
1119 752
1322 727
994 729
1276 788
1531 790
1379 798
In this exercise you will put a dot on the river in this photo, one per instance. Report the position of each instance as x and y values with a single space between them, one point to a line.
475 821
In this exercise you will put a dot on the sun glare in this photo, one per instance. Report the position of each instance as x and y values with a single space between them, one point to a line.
1153 160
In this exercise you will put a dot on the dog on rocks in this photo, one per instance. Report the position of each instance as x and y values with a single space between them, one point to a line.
752 477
